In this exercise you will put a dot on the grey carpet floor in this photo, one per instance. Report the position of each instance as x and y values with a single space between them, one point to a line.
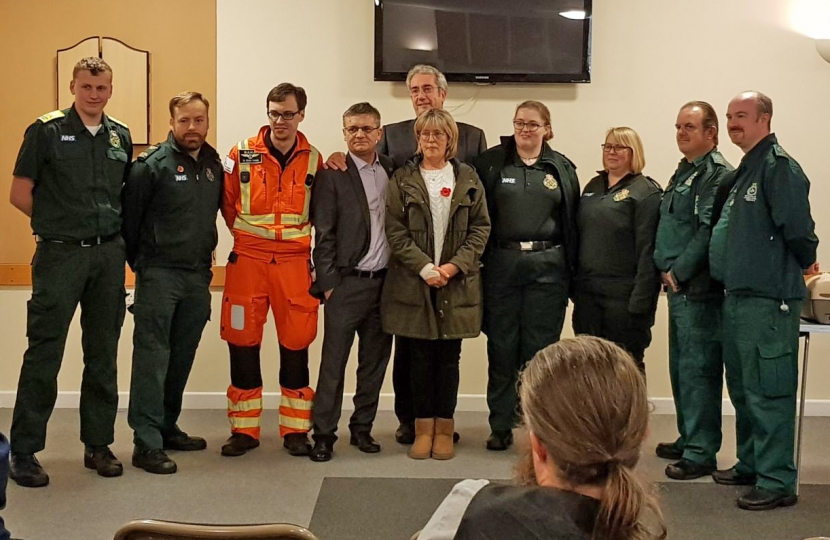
268 485
394 508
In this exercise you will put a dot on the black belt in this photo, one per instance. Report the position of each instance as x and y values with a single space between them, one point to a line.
87 242
371 274
526 246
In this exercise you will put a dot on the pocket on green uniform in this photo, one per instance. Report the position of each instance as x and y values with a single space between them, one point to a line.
776 370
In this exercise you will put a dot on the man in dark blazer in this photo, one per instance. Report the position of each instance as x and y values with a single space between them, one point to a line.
428 90
350 255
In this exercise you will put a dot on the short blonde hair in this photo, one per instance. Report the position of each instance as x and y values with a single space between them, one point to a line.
93 64
443 121
628 137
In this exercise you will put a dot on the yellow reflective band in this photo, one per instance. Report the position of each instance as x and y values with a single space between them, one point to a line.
289 234
241 422
244 187
240 224
293 219
242 406
297 404
259 219
295 423
312 161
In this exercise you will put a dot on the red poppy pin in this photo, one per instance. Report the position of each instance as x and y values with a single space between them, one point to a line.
180 169
445 192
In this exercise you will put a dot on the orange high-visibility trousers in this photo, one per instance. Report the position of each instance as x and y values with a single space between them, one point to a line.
251 287
254 285
245 410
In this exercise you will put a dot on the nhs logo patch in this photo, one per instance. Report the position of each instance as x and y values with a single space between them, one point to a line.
181 178
508 180
67 138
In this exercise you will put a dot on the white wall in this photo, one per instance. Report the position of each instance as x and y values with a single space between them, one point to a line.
649 57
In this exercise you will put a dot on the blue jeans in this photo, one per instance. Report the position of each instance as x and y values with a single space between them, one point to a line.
4 478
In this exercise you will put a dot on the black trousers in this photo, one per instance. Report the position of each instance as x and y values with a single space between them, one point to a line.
172 307
610 319
353 308
63 276
433 375
401 382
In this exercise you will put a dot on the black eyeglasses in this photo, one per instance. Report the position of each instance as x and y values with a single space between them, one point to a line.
530 126
352 130
287 115
615 148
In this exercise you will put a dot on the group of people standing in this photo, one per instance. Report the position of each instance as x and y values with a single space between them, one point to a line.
421 233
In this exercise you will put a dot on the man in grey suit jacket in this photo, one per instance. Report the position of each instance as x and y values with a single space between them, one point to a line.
348 209
428 90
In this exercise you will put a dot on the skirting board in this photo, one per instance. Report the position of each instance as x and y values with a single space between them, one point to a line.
466 402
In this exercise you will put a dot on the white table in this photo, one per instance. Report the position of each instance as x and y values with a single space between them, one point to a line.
805 330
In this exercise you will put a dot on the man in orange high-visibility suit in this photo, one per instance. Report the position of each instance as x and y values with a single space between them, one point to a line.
267 189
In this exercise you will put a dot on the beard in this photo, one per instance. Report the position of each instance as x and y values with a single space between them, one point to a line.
191 142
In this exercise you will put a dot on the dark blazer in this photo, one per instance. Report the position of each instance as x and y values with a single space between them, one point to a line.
398 142
342 226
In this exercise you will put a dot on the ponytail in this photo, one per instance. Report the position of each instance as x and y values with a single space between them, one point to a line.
624 503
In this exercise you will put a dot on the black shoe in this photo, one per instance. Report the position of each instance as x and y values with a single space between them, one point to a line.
322 451
183 442
103 461
688 470
455 437
499 440
364 442
669 450
405 434
238 444
765 499
27 472
297 444
731 477
153 461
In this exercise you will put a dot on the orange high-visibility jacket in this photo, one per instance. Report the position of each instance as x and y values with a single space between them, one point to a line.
267 208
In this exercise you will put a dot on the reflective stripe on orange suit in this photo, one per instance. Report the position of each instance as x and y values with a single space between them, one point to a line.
244 410
295 410
268 216
277 197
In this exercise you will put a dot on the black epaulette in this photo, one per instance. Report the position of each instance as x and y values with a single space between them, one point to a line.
779 152
147 153
655 183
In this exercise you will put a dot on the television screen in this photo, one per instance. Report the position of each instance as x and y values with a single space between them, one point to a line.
485 40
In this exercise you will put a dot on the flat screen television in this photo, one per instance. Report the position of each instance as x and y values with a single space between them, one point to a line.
535 41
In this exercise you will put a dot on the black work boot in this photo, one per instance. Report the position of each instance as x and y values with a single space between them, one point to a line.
405 434
181 441
27 472
153 461
500 440
297 444
102 461
238 444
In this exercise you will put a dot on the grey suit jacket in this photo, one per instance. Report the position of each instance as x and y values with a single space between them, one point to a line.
342 225
398 142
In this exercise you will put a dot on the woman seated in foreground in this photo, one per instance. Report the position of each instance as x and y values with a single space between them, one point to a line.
585 410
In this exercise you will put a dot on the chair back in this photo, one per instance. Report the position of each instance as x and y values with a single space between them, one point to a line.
150 529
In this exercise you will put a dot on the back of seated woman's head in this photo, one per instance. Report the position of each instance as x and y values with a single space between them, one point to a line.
585 402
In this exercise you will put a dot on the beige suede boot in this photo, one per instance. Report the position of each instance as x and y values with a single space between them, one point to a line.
442 447
424 433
